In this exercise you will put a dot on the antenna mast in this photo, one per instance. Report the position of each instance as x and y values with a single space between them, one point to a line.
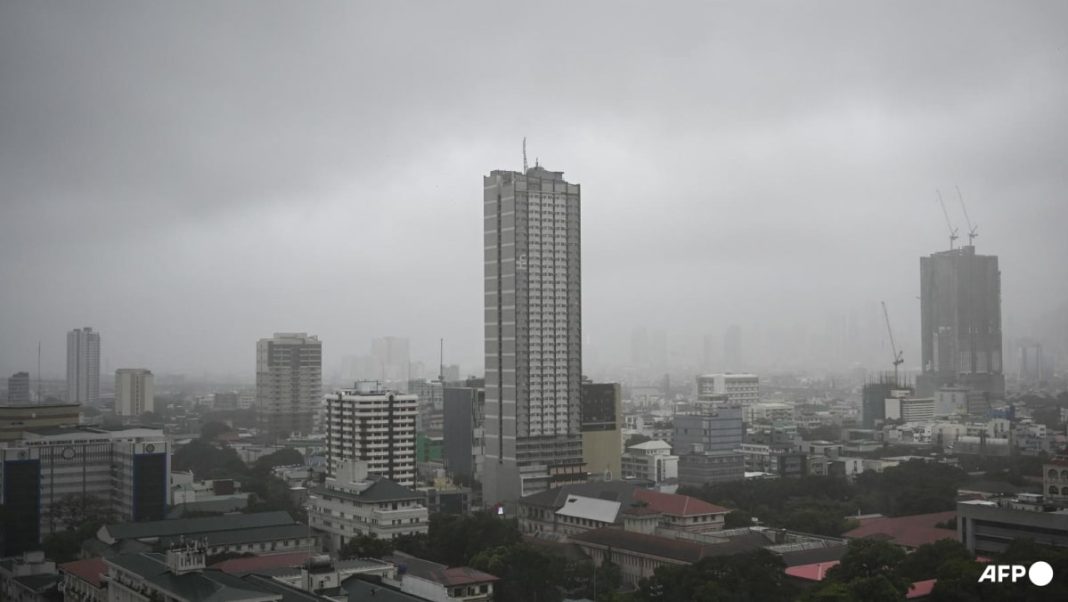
893 346
38 372
524 154
973 231
952 231
441 362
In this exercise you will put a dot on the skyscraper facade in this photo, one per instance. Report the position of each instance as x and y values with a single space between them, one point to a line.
289 382
533 318
960 319
83 366
134 392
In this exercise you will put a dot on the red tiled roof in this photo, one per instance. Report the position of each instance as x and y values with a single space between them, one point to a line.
90 570
909 531
677 505
259 563
921 589
811 572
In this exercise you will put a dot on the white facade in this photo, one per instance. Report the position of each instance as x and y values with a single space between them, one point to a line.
651 460
374 425
740 389
134 392
910 409
355 503
83 366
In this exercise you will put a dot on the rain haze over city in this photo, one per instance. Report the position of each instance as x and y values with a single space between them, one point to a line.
612 301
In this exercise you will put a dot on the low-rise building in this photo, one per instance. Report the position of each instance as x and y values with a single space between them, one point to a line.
1055 479
651 460
989 526
355 503
698 469
439 583
83 580
258 533
29 577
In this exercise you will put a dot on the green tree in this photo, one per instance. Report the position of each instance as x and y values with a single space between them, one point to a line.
284 457
365 546
737 519
528 574
209 431
925 561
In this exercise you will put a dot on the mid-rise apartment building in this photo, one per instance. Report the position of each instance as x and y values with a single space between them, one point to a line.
134 392
375 425
289 382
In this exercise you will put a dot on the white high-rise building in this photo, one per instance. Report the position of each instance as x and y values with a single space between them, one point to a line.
739 389
83 366
134 392
533 309
375 425
289 383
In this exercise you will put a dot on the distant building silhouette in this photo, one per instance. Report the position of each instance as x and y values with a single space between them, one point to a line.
83 366
960 296
134 392
289 383
18 388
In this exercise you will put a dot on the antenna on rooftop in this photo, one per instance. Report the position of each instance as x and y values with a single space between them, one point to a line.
524 154
973 231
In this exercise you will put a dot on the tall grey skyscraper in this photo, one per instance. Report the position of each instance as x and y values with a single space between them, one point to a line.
289 383
961 322
533 293
83 366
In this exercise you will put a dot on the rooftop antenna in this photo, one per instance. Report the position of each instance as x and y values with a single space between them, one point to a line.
39 398
952 231
524 154
973 231
898 360
441 362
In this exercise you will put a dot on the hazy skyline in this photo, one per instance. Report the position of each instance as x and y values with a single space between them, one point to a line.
190 178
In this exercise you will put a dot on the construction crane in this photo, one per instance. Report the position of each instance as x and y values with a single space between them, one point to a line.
952 231
973 231
898 360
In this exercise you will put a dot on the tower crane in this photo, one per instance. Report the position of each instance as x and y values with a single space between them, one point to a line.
952 231
973 231
898 360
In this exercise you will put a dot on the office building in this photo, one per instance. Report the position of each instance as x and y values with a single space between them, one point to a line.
602 430
129 469
874 396
289 381
83 366
353 503
960 305
464 445
18 388
696 470
910 409
375 425
989 526
708 429
533 309
739 389
134 392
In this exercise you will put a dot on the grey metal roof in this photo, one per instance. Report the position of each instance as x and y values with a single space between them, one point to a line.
381 490
196 526
360 590
240 536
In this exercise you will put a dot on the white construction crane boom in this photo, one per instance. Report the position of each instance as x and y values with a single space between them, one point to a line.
973 231
898 360
952 231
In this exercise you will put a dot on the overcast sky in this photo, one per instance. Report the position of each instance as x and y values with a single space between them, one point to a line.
187 178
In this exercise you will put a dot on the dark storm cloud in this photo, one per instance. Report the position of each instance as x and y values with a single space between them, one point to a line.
176 174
